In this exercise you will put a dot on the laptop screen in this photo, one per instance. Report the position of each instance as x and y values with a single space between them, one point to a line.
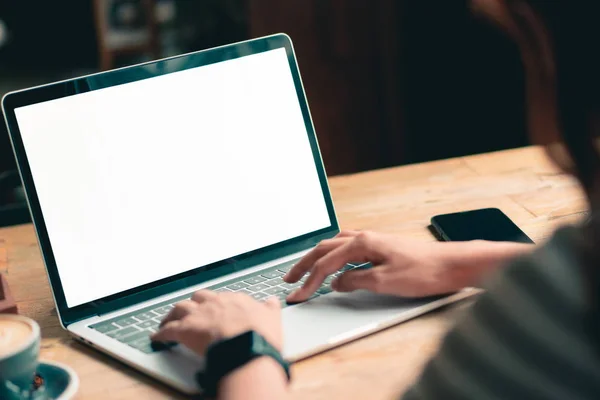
145 180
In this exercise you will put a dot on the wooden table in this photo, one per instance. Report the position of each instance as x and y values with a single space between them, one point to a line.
401 200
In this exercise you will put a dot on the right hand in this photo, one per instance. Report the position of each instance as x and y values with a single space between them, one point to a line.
211 316
400 267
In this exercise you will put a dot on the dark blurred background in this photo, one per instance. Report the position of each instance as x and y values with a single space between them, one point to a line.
389 82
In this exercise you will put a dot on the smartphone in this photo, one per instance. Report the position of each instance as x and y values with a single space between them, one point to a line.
485 224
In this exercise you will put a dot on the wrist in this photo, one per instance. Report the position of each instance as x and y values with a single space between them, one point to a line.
228 356
257 375
469 262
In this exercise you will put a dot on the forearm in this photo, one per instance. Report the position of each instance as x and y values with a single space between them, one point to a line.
261 379
473 261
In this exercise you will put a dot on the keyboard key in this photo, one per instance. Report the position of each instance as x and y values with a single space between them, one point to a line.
126 322
282 296
272 274
237 286
123 332
329 279
292 285
162 310
259 296
221 290
324 290
285 270
254 280
148 324
258 288
274 290
143 345
112 334
145 315
275 282
244 291
134 336
285 293
105 328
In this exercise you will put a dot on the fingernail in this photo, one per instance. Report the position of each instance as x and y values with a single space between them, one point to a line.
293 295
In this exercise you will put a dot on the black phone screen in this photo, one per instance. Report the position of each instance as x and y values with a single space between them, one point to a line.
486 224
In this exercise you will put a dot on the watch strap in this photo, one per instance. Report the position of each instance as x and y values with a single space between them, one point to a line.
229 354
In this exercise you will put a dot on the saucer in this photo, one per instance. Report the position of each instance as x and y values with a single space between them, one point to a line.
60 382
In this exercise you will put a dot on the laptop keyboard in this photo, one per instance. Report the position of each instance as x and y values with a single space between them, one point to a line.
134 329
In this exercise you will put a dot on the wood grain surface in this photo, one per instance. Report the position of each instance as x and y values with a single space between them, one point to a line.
521 182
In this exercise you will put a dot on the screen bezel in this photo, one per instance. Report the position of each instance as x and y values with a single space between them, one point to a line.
98 81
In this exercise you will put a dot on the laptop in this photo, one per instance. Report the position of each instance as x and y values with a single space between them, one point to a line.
200 171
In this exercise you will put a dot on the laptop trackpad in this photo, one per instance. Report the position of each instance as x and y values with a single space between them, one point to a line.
338 317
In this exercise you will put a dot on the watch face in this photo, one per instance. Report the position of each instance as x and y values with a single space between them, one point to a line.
235 350
259 344
243 345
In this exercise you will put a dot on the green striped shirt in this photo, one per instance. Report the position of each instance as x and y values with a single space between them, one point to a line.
525 337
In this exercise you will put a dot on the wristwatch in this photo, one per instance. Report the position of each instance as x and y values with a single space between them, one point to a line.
226 355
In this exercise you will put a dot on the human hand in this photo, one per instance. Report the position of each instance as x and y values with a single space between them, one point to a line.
400 267
210 316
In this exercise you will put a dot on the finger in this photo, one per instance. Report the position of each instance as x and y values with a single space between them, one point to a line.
318 274
192 332
348 233
234 297
368 279
180 310
202 296
358 249
273 302
169 332
307 262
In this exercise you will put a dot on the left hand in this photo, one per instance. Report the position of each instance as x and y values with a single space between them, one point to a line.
400 267
210 316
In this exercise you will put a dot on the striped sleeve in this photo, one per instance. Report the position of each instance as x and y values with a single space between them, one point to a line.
524 338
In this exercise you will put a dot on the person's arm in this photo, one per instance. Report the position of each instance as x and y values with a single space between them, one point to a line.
505 345
401 266
261 379
470 262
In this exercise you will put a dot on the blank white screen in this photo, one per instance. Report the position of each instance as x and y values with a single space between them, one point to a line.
146 180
